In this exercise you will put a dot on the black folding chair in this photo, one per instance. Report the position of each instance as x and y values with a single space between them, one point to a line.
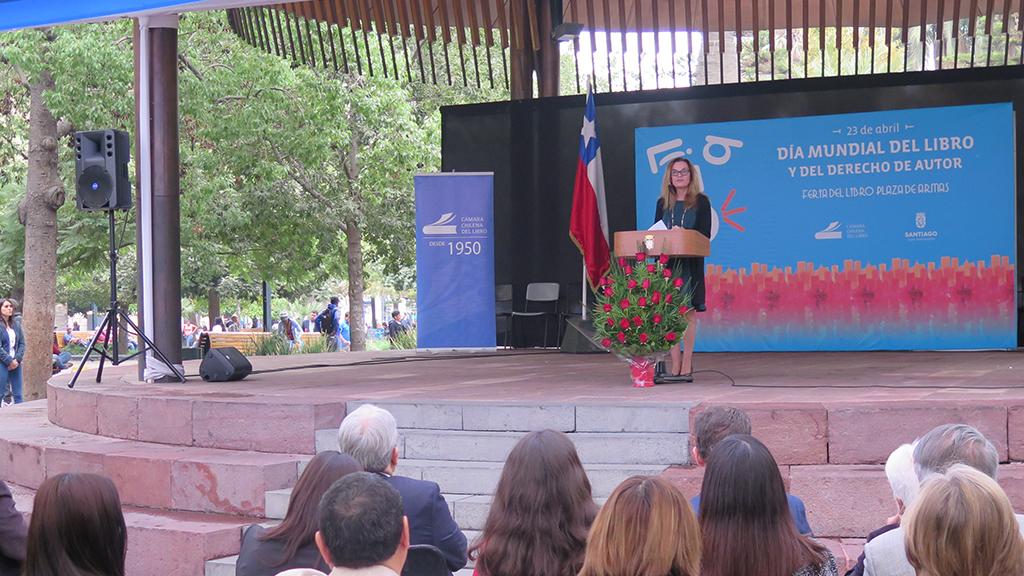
425 560
541 302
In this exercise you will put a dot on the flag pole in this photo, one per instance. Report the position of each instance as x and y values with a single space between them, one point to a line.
583 299
583 287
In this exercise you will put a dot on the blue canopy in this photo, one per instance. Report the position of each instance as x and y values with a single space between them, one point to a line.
15 14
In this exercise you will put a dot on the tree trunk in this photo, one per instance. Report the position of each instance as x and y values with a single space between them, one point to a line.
357 320
38 213
213 300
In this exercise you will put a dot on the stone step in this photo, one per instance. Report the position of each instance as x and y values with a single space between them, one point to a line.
229 421
593 447
526 416
475 478
146 474
167 543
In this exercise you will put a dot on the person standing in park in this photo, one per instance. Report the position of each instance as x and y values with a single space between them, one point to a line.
309 324
396 327
346 334
12 351
290 330
328 323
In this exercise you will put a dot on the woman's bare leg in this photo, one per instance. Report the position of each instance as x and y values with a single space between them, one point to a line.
677 361
689 337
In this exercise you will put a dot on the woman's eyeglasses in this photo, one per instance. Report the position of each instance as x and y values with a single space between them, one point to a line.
680 173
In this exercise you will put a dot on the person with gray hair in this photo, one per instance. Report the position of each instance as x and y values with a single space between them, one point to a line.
936 452
370 435
951 444
899 470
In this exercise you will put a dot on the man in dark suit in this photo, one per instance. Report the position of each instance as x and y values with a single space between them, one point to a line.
370 435
13 533
309 324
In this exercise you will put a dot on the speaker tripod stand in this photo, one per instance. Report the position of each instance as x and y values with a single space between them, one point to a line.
110 327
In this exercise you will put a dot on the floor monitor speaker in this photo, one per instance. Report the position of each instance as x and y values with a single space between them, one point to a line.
580 337
224 365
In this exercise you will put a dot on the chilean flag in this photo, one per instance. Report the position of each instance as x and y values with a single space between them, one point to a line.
588 225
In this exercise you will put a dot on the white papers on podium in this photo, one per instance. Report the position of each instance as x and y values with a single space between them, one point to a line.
659 225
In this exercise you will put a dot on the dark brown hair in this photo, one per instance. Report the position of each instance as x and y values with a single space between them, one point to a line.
300 523
541 512
645 528
744 515
14 308
714 424
77 528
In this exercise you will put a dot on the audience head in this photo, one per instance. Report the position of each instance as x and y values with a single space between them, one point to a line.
962 523
714 424
645 527
951 444
899 469
744 515
395 314
334 300
77 528
300 523
541 511
361 524
370 435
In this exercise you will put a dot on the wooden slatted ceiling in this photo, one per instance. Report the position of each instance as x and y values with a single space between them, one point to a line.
447 15
314 31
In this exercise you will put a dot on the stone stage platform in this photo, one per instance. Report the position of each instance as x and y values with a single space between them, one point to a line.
194 462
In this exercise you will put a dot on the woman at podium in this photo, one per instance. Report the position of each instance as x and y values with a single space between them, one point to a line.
683 203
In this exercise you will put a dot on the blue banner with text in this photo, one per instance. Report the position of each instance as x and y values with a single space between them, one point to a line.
879 230
455 260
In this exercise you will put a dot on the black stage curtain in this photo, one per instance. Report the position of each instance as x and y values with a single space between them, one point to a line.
532 147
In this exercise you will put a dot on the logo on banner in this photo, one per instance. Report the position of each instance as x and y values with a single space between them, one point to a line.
442 226
922 233
831 232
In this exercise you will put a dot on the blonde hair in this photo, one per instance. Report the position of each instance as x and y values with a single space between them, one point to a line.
962 523
645 528
668 191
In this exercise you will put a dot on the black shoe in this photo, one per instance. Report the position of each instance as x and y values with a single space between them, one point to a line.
673 379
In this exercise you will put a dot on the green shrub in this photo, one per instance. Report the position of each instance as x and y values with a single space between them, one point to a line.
74 349
405 340
314 347
275 345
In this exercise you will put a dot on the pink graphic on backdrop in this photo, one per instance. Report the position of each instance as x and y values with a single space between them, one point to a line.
898 297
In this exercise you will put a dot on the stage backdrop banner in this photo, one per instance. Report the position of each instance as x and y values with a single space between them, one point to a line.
455 260
881 230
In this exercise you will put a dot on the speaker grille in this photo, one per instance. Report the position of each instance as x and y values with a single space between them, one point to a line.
94 187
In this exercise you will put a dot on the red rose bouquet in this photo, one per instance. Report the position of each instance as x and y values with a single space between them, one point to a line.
639 308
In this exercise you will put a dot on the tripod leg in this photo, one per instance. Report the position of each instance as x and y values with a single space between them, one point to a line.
152 346
103 358
89 351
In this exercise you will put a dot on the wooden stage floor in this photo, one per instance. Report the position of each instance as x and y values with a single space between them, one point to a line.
549 376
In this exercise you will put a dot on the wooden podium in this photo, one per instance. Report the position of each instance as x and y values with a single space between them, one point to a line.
674 242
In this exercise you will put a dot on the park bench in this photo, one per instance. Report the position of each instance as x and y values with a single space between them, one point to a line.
246 342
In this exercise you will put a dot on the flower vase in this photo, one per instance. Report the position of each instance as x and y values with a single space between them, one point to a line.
641 370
